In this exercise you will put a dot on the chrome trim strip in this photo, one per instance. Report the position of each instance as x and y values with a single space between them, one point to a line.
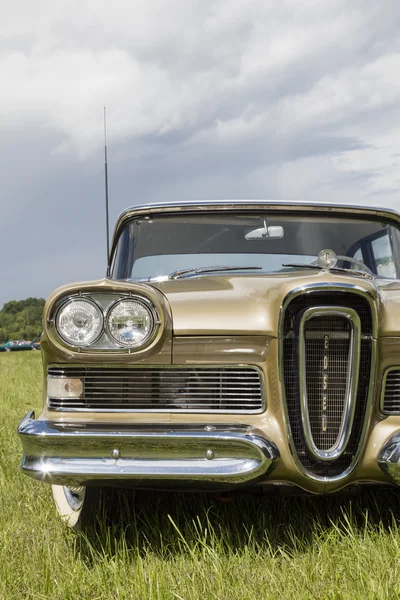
326 287
351 381
180 411
195 455
383 392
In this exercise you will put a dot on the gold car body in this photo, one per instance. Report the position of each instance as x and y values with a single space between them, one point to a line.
213 320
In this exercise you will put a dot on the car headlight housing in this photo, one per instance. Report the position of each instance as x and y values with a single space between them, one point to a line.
131 322
79 322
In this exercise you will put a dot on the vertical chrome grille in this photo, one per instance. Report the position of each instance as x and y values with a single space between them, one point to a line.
325 425
391 391
328 377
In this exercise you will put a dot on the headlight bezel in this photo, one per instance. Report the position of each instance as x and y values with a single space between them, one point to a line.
71 300
152 311
105 302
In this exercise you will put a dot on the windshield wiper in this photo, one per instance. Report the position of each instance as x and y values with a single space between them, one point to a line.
302 265
314 265
195 271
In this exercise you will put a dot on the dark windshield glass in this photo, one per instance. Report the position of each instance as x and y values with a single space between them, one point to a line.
158 246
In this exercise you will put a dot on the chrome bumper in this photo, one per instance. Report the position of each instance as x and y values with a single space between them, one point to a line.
389 459
195 455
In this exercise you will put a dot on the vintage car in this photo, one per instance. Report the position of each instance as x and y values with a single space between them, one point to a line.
232 345
15 346
35 344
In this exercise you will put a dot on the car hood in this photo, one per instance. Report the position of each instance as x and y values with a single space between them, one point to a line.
240 305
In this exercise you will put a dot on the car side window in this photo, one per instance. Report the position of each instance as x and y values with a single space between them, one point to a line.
357 256
383 256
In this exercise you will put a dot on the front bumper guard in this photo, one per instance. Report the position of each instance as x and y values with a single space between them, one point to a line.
142 455
389 459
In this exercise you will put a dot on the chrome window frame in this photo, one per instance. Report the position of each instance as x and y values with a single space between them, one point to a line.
234 206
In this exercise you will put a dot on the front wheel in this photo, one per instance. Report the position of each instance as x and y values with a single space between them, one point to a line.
76 505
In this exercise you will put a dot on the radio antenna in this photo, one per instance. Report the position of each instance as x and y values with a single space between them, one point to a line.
106 185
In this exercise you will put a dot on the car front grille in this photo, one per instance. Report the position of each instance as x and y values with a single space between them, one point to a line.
391 398
194 389
337 330
326 416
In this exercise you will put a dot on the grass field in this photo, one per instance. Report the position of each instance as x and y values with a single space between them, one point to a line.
182 547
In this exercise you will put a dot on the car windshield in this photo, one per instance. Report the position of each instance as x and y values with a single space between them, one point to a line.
193 244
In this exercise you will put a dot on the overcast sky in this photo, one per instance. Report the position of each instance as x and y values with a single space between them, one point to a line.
296 99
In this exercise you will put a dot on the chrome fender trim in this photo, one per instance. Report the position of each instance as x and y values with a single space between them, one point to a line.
142 455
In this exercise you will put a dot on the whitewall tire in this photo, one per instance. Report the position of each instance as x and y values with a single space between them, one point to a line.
75 505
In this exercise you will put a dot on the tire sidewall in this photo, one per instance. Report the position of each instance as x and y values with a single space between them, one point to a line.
73 517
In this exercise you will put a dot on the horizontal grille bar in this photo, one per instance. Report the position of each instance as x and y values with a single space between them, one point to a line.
164 389
167 371
391 398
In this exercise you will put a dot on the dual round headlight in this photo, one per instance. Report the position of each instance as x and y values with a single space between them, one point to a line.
79 322
128 322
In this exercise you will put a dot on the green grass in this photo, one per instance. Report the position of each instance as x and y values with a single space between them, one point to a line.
171 546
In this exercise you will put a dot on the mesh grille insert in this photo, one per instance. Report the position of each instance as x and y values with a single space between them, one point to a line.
325 407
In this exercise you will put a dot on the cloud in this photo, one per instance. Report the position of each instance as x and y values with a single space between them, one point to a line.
205 98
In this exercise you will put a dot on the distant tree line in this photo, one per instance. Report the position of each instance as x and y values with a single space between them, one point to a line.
21 320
